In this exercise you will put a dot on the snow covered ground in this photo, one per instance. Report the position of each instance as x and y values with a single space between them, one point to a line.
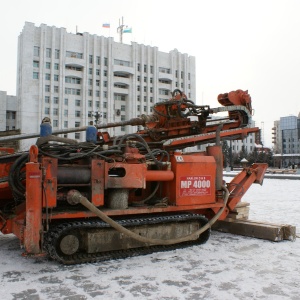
226 267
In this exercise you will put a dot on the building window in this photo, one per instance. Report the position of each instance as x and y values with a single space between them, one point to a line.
105 61
104 104
55 123
35 75
151 80
77 113
77 124
90 59
97 82
181 74
48 52
123 108
151 99
98 60
122 62
66 124
145 89
90 103
145 98
47 76
47 110
55 77
90 92
97 93
74 54
151 69
57 52
145 108
36 64
138 98
47 88
56 89
105 73
47 99
97 72
151 89
97 104
105 83
72 91
138 108
77 102
56 66
145 68
138 78
145 79
138 88
74 80
55 111
105 94
90 82
48 65
65 112
90 114
66 101
139 67
189 76
77 135
55 100
90 71
104 115
36 51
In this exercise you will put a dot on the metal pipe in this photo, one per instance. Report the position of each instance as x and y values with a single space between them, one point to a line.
132 122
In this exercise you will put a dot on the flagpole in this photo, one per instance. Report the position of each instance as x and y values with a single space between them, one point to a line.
120 30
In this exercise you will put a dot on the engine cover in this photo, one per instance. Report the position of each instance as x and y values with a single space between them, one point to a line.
194 180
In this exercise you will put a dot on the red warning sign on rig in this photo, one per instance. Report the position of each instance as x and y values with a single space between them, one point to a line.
195 185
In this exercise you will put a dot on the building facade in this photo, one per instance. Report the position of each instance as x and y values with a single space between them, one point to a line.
8 112
70 78
286 139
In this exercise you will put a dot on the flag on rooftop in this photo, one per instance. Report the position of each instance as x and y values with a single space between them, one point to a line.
106 25
127 30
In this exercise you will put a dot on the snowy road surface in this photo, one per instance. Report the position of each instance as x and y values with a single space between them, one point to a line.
226 267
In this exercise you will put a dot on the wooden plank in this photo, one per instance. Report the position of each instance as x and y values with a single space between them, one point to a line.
242 204
256 229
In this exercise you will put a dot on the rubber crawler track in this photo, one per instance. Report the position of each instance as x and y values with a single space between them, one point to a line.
53 236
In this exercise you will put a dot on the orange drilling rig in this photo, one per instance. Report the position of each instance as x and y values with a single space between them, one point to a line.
114 197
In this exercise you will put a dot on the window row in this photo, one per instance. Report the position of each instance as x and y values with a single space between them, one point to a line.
36 52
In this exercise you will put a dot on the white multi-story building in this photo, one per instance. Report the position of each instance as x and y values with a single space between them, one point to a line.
70 77
8 112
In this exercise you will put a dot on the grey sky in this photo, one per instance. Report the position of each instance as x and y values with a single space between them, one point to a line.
251 45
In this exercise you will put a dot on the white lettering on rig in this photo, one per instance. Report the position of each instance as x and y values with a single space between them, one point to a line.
195 185
179 158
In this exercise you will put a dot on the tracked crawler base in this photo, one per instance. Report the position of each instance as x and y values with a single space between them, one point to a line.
94 240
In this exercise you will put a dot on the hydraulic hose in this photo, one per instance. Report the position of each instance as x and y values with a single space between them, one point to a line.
74 197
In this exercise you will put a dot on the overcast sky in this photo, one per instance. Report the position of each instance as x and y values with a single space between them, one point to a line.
251 45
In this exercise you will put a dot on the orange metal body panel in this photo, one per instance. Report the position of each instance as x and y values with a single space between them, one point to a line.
134 177
194 181
97 182
33 229
50 182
